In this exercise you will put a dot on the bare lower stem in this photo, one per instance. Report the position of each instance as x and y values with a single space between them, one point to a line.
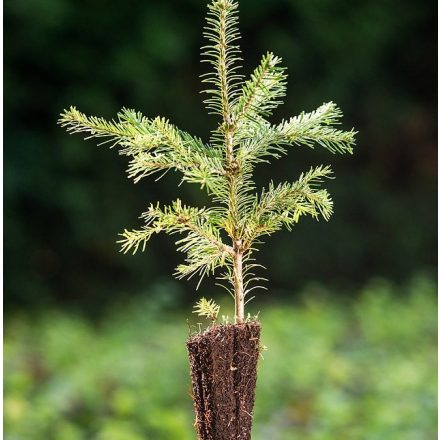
238 285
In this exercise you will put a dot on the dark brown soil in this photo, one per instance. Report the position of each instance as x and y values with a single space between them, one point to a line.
223 362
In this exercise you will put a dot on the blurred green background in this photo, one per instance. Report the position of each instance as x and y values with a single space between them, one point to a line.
95 339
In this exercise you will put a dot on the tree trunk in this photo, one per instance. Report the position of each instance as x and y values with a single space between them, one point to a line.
223 362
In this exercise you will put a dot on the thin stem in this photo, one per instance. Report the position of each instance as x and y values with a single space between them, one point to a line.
236 238
238 285
229 131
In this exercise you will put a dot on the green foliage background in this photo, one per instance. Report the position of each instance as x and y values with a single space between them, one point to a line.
355 369
354 359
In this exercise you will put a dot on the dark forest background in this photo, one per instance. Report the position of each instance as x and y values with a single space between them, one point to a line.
66 200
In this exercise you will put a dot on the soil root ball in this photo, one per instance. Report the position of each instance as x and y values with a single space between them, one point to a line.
223 362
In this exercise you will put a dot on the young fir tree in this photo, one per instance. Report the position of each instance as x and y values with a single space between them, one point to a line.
224 166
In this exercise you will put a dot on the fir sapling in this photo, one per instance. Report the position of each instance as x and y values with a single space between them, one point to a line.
224 167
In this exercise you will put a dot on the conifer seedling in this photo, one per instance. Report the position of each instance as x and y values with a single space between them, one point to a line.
222 238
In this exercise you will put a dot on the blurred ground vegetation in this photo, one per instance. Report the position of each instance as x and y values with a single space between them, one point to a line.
358 368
